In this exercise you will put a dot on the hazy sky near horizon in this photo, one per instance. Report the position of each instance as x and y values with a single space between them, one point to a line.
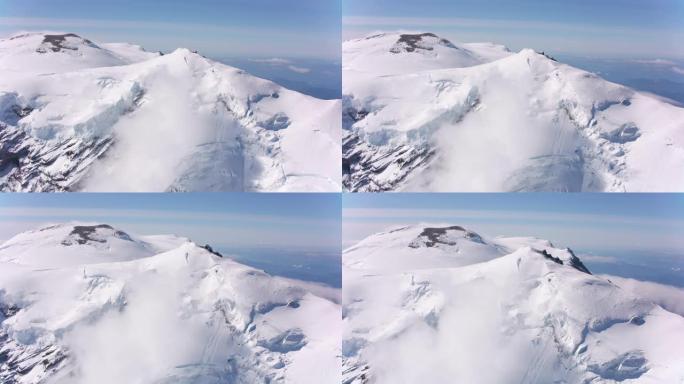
217 28
611 28
234 220
589 222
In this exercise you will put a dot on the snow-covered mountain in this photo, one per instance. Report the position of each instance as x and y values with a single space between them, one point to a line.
77 115
421 113
90 303
443 304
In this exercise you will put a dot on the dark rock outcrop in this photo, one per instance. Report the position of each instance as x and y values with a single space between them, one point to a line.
414 42
211 250
83 234
431 237
57 43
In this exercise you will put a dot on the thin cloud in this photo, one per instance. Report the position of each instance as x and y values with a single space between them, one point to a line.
272 61
298 69
655 62
598 259
669 297
278 62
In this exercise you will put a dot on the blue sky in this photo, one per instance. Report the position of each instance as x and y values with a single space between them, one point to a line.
287 221
588 222
246 28
631 28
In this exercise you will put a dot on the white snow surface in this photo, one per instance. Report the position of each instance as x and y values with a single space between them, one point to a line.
119 308
440 304
77 115
478 117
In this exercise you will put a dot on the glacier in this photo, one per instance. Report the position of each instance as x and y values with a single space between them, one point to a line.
76 115
89 302
421 113
441 303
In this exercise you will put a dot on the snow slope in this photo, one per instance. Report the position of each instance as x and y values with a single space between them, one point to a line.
89 303
442 304
75 115
421 113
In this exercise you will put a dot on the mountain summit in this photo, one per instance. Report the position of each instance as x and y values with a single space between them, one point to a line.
36 53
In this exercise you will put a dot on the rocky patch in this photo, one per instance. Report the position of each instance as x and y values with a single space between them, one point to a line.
431 237
418 42
83 234
57 43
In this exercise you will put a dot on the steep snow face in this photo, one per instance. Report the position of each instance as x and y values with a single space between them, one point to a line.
158 310
477 117
444 304
178 122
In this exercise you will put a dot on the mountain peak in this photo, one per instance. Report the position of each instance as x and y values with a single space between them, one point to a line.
72 234
449 235
419 42
86 234
76 243
409 52
183 52
51 41
42 52
62 42
448 246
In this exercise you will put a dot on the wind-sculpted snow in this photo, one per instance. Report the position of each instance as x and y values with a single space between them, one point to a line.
494 120
150 122
439 304
86 303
